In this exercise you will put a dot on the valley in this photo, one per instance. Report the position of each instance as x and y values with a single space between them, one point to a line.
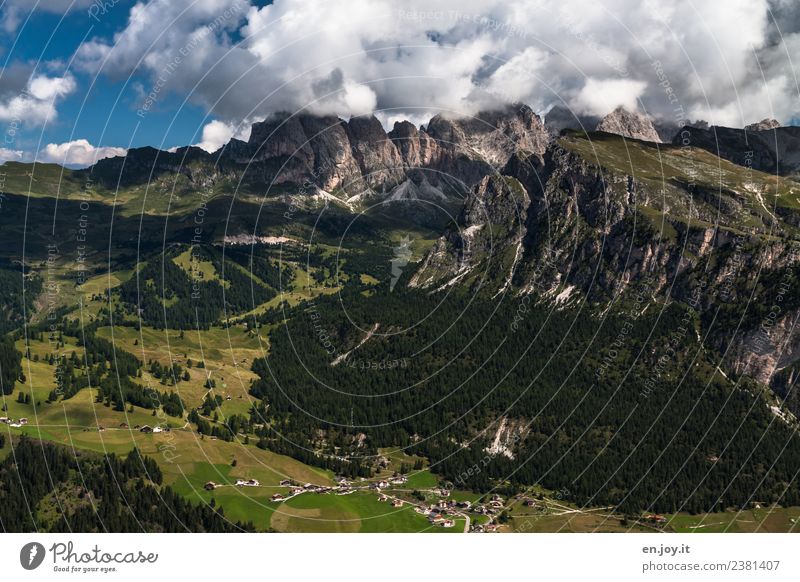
467 327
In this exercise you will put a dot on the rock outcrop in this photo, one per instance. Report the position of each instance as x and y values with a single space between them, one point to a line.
629 124
763 125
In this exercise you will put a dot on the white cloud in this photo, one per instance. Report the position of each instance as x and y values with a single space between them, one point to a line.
217 133
37 103
7 155
599 96
418 58
77 153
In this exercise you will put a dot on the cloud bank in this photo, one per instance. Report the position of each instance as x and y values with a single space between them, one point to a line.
726 60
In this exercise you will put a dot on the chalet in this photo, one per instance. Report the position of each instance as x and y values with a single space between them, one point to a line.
308 486
397 503
490 527
464 504
146 429
23 421
286 482
382 498
277 497
4 419
295 490
123 425
530 503
157 429
210 486
383 484
448 523
443 493
247 483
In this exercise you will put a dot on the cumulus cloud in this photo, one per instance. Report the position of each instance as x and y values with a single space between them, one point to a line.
599 96
417 58
217 133
9 155
35 103
77 153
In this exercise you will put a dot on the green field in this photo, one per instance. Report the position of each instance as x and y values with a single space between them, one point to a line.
357 512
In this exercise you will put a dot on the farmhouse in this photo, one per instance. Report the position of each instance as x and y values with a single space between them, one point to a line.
210 486
397 503
146 429
23 421
247 483
277 497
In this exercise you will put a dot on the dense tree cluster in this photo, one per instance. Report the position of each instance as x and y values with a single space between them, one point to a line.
614 426
164 295
94 493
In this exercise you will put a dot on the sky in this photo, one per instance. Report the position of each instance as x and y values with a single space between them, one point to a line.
86 79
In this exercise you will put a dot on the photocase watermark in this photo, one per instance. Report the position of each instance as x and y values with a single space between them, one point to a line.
402 256
66 558
100 8
322 335
31 555
377 365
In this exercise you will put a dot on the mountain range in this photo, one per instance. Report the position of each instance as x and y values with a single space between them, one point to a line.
654 262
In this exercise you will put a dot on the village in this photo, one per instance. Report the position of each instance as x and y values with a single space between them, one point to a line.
443 512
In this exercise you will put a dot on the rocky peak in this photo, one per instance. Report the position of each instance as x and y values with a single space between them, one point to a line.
416 147
763 125
377 155
492 135
629 124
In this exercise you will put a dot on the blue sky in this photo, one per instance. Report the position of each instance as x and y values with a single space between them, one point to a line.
76 74
102 109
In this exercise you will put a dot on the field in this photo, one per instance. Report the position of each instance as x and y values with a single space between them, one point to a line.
227 354
357 512
765 520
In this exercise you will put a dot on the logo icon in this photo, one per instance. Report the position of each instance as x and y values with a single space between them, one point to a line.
402 256
31 555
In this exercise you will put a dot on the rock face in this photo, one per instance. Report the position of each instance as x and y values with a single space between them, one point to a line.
491 219
629 124
417 149
763 125
379 160
576 224
360 159
492 135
